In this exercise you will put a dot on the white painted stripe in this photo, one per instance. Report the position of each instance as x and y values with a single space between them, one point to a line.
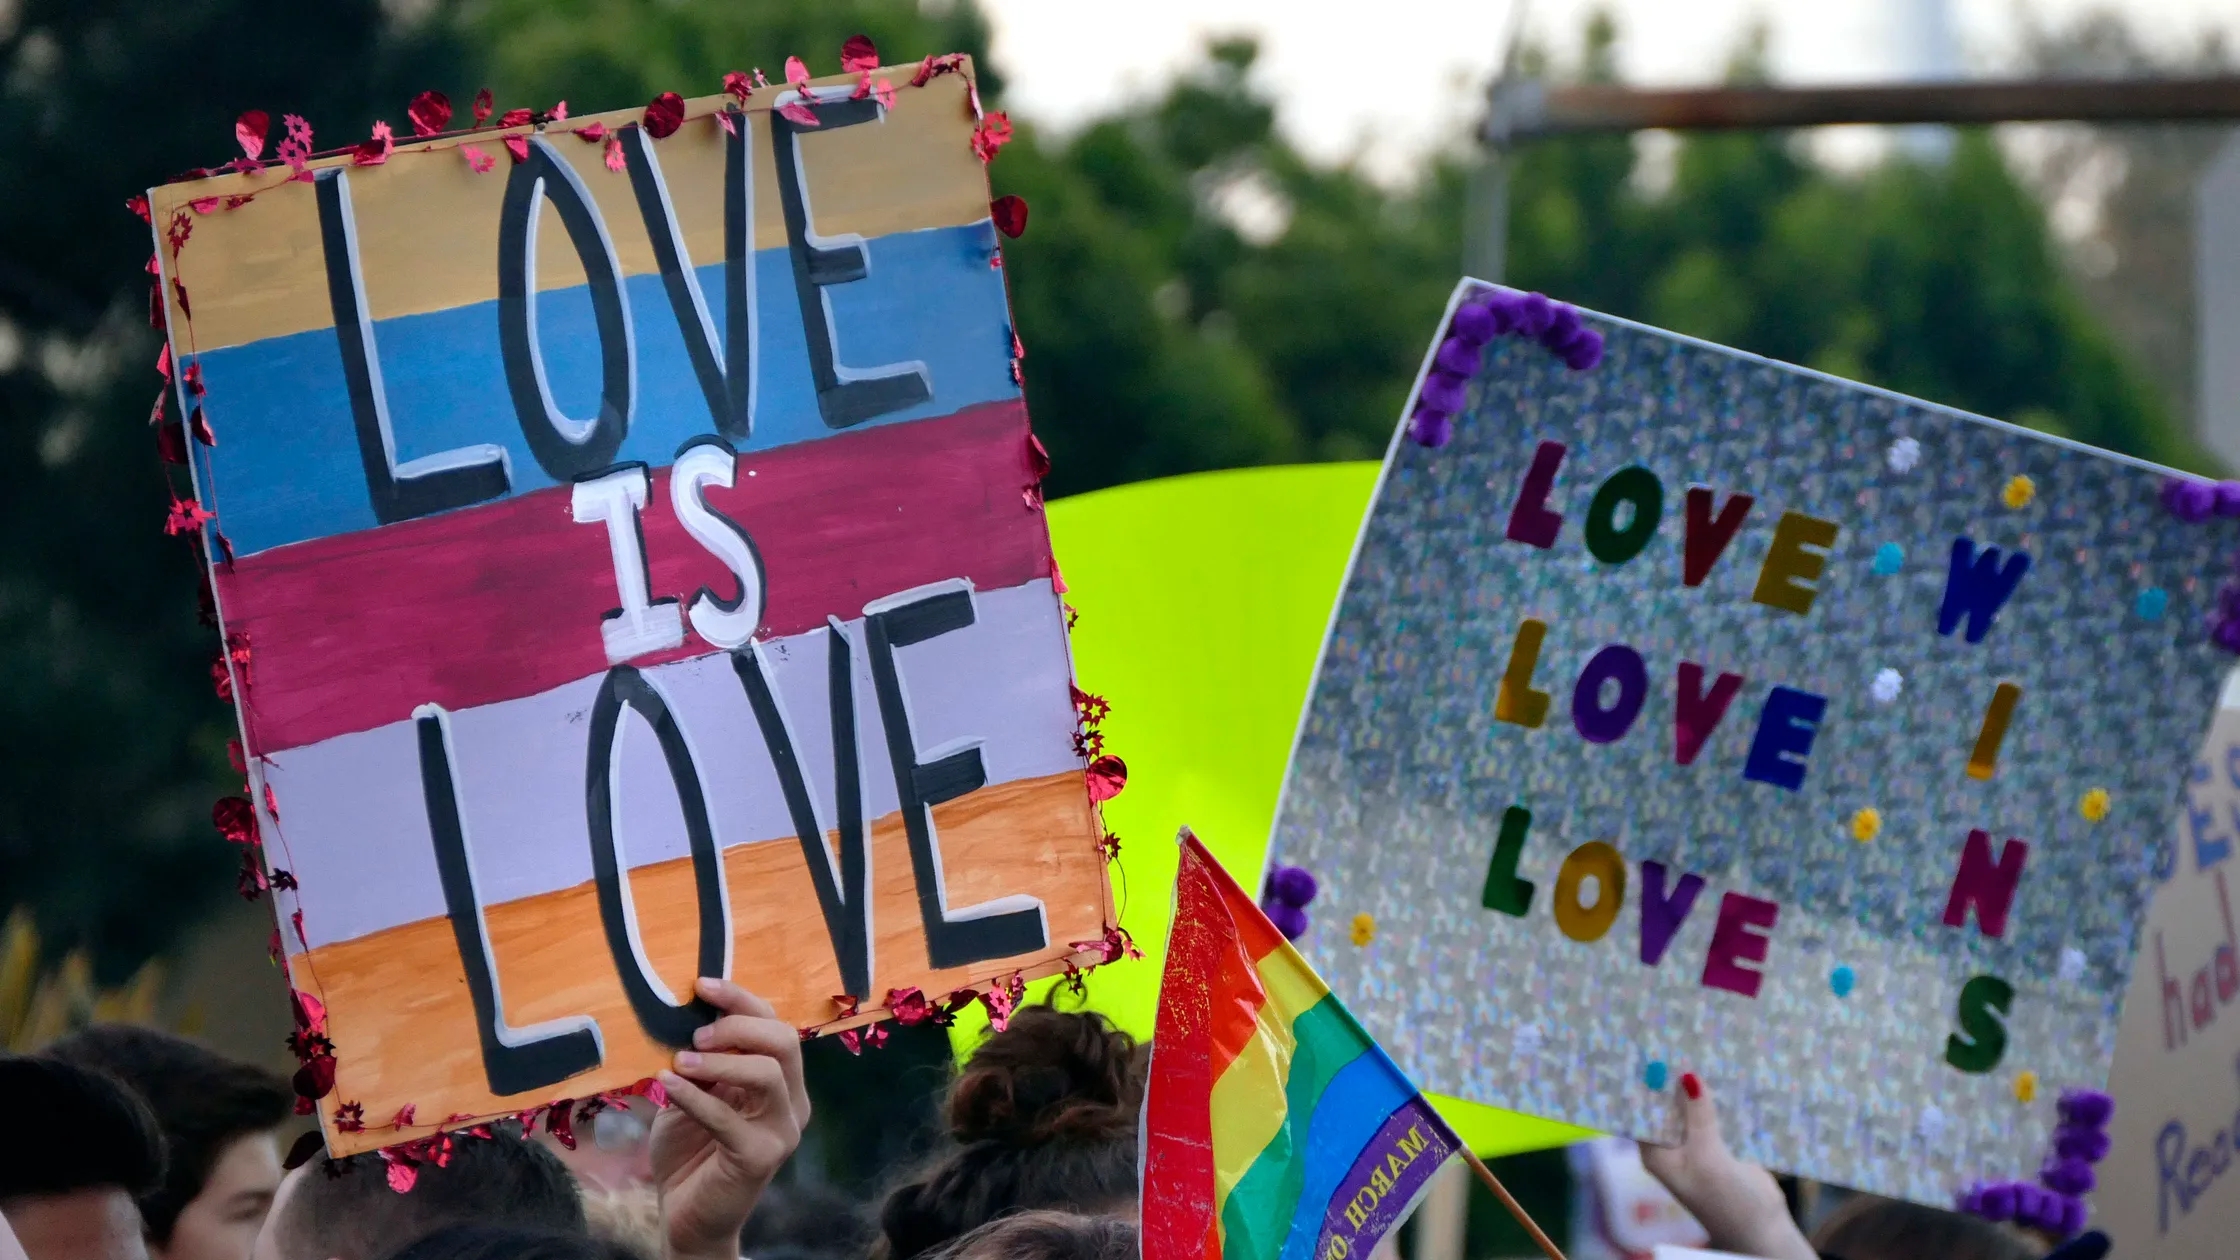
354 826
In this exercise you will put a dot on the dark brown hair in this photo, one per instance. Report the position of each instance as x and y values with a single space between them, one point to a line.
1869 1228
202 1100
1047 1236
345 1208
1043 1116
76 1129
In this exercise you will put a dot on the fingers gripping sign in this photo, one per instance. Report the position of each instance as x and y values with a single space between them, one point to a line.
738 1108
1737 1203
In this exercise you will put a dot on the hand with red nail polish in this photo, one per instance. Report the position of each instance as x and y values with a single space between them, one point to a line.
1737 1203
738 1106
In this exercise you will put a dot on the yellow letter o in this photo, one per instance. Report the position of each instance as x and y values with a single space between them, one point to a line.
1583 922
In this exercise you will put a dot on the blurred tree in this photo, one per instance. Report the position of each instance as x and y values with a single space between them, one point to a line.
2123 196
607 54
112 746
1942 281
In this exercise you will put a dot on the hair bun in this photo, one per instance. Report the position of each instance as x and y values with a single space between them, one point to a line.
1051 1076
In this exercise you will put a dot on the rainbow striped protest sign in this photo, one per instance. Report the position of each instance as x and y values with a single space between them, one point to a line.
633 568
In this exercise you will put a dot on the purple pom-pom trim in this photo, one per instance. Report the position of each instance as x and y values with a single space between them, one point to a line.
2029 1206
2228 498
2085 1108
2068 1176
1289 920
1431 428
1474 323
2189 499
1442 391
1459 355
1557 326
1292 885
2089 1145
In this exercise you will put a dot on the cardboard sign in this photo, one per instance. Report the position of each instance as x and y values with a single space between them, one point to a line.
2168 1187
633 572
1692 712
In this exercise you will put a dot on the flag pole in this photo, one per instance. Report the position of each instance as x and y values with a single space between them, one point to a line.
1547 1245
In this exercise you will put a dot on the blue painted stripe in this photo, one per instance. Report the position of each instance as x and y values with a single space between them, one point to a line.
287 467
1361 1097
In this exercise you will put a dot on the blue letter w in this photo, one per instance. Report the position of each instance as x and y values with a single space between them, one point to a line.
1978 587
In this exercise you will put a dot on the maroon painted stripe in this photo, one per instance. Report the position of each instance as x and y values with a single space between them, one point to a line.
487 603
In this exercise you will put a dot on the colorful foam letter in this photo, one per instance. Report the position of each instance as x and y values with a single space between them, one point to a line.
1531 520
1976 587
1635 485
1985 884
1982 1039
1707 534
1516 701
1695 712
1596 724
1662 914
1590 922
1504 891
1733 943
1794 559
1786 725
1984 761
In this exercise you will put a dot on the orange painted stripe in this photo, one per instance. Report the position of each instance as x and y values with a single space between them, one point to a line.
404 987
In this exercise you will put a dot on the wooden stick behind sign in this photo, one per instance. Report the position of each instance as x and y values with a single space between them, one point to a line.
1547 1245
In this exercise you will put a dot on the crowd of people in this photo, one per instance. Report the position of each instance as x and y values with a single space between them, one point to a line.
135 1143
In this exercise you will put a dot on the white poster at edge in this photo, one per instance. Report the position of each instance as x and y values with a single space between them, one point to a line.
2168 1189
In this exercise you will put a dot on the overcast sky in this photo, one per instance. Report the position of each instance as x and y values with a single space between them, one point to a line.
1402 73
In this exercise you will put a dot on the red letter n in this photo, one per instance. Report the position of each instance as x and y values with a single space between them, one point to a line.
1985 884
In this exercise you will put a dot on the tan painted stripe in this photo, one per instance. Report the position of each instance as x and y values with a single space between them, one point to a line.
403 1023
428 225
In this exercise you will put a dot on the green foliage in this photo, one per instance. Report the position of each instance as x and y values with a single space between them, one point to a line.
609 54
1940 281
112 746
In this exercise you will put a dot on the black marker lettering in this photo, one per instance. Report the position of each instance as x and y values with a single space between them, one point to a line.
565 448
664 1019
514 1060
414 488
844 396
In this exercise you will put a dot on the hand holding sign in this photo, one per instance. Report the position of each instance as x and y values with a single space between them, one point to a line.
722 1140
1737 1203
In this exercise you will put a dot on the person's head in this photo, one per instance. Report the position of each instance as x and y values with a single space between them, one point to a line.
506 1242
1044 1116
1869 1228
84 1149
805 1222
219 1119
1047 1236
345 1210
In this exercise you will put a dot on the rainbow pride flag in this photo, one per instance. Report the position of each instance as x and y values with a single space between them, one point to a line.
1274 1128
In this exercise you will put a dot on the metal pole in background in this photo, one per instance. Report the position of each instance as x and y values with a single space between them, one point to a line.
2216 252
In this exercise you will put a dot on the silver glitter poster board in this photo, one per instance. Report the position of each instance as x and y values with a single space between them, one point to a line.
1526 987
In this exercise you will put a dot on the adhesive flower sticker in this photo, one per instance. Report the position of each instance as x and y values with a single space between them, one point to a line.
1364 928
1904 454
2020 490
1886 685
1866 824
2071 968
2094 805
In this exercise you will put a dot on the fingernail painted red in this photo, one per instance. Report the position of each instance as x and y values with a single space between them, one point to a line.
1690 1085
